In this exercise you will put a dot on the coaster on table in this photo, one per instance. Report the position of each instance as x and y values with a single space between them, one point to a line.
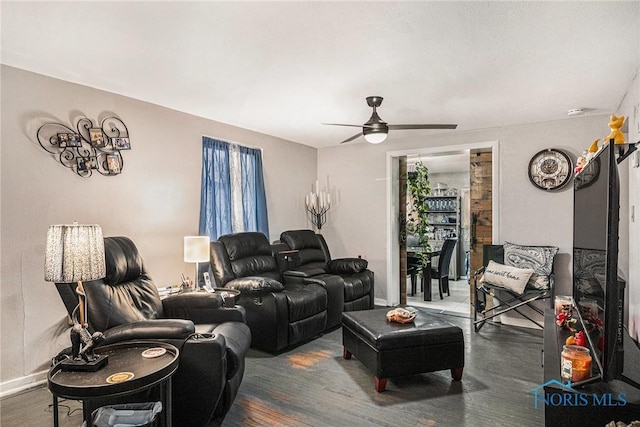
154 352
120 377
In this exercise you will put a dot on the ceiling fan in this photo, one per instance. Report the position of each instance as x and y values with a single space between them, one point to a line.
376 130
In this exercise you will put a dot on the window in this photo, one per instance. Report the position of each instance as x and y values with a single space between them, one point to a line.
232 197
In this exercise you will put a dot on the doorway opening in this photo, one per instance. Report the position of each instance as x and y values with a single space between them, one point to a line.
449 217
450 179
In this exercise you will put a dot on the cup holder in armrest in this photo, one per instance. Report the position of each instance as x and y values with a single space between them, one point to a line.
228 296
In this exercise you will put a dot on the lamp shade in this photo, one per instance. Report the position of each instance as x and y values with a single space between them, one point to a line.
74 253
196 248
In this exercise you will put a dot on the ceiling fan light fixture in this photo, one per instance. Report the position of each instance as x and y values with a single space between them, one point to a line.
375 130
375 138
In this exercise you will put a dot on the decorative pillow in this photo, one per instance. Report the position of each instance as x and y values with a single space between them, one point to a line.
506 276
538 258
348 265
255 286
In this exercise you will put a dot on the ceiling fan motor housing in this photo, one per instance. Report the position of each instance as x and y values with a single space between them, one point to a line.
374 101
381 130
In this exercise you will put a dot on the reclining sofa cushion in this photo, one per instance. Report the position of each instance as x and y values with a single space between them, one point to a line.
250 254
306 301
127 294
311 253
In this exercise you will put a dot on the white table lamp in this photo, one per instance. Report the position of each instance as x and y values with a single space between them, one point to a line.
196 249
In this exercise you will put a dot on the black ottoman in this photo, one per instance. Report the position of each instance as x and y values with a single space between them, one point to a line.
392 349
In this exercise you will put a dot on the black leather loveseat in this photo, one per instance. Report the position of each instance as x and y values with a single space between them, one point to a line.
212 339
280 314
292 290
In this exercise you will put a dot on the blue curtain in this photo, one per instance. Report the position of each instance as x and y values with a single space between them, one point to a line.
215 193
254 200
215 199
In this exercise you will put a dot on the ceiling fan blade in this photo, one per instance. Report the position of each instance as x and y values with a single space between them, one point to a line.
341 124
401 127
353 126
352 138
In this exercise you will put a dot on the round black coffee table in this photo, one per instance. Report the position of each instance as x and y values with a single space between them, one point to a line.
127 372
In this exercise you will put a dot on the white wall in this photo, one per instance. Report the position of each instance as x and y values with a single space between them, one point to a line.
527 215
630 107
155 201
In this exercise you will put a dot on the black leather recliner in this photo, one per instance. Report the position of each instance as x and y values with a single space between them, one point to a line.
212 339
280 314
314 260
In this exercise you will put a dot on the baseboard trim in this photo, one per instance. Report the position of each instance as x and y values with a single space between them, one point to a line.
17 385
520 322
379 302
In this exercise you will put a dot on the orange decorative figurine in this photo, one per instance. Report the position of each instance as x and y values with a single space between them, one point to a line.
615 123
592 151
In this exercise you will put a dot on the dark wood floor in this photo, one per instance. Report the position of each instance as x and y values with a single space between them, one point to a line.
312 385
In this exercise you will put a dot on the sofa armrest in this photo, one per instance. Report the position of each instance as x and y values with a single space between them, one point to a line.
255 286
201 308
192 300
225 314
348 265
310 272
201 379
156 329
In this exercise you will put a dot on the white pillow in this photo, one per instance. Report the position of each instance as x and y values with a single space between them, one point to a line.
512 278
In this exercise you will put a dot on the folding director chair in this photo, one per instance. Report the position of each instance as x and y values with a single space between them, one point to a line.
507 300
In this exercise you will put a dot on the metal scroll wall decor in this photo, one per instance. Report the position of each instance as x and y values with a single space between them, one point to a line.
88 148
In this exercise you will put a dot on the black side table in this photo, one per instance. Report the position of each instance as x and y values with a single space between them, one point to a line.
123 358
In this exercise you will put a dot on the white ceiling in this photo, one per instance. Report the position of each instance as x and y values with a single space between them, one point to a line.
283 68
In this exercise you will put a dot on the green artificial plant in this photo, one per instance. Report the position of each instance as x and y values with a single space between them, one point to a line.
418 220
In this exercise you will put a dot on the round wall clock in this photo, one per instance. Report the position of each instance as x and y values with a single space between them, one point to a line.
550 169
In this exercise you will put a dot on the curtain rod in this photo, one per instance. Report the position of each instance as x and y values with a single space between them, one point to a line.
233 142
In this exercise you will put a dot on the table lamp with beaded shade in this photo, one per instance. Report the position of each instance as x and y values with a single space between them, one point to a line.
73 254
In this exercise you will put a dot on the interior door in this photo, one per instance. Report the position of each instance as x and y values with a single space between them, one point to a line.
481 200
